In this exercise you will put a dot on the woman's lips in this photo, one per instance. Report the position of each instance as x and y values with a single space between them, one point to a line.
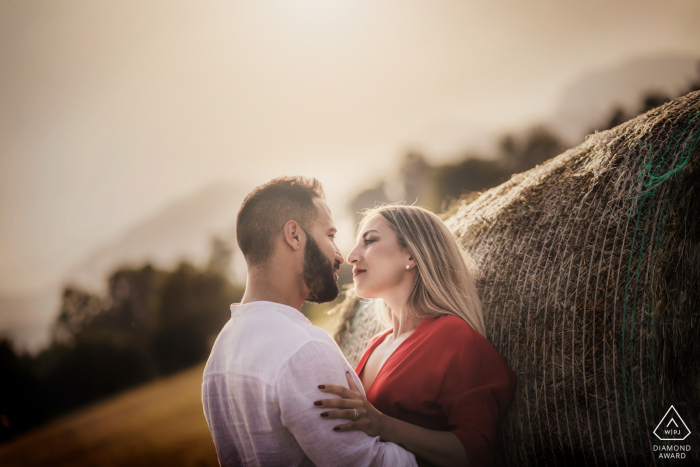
357 272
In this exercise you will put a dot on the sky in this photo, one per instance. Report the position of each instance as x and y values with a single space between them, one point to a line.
110 110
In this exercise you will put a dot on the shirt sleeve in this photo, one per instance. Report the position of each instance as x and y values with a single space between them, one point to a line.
475 394
297 388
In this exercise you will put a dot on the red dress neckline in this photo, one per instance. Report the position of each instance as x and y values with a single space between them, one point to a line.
373 345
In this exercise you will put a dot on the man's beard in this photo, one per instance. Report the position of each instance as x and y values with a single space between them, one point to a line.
318 274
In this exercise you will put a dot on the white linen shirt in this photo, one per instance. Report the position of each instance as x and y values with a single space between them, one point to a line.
259 388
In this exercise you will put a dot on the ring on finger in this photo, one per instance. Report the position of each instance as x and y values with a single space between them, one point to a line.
357 414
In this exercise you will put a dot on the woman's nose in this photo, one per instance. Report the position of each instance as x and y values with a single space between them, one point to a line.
353 257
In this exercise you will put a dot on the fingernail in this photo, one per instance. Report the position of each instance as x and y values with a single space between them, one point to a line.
322 386
336 428
324 414
318 403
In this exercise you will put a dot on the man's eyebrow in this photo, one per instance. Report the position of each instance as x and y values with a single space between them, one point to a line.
333 230
365 234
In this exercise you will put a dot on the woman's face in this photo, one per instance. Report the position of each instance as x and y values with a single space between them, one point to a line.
379 262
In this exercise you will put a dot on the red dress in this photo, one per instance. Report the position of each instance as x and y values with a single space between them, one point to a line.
445 376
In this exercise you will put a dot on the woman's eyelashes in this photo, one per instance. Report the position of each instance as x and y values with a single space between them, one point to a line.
369 240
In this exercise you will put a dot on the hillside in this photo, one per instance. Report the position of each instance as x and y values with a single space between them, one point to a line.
159 424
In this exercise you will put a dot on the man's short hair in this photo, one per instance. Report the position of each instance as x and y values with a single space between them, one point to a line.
268 207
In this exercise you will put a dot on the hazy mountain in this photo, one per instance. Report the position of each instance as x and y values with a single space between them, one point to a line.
181 230
589 100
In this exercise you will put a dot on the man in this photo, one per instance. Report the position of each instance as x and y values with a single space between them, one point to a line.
262 377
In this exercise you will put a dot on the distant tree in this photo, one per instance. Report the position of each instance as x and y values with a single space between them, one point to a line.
131 305
617 117
220 257
368 198
652 100
22 396
78 308
472 174
509 150
92 367
193 306
434 187
416 176
102 345
538 145
695 83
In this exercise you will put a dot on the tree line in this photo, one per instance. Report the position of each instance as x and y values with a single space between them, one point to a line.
150 323
440 187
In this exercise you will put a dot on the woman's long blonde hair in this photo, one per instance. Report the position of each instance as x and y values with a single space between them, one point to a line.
445 274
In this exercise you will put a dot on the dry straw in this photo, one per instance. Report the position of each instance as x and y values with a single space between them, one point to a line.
590 280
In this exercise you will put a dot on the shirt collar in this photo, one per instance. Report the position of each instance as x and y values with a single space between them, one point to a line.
238 309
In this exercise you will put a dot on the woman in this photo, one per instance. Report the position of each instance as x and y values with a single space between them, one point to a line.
434 384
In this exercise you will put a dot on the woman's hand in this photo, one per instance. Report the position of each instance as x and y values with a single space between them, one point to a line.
369 419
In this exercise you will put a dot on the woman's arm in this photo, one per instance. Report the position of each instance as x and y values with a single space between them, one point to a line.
440 448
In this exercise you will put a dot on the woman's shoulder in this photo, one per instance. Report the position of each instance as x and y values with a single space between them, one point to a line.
452 329
458 341
450 325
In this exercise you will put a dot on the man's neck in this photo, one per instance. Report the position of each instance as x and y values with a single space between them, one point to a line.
271 285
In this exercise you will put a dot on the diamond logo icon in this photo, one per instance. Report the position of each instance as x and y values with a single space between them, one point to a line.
672 427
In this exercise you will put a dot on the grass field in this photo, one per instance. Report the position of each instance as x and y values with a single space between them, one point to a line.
158 424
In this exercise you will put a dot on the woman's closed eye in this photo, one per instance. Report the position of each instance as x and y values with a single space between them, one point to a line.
370 240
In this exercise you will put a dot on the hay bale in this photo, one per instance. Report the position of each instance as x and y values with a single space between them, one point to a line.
590 280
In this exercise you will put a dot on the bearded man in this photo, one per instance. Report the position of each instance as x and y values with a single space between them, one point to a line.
262 377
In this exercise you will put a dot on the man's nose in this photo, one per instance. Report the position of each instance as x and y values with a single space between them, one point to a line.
339 256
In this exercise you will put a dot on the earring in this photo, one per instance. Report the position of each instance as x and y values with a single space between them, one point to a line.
408 266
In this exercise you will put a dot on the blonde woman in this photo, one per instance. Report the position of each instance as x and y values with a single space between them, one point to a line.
434 384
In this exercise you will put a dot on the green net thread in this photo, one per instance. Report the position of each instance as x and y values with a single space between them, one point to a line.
652 173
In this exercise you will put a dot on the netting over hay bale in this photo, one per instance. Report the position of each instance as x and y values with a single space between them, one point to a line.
590 280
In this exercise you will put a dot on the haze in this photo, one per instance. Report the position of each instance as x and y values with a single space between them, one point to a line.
109 110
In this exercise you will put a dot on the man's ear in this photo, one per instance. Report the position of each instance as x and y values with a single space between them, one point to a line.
293 234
